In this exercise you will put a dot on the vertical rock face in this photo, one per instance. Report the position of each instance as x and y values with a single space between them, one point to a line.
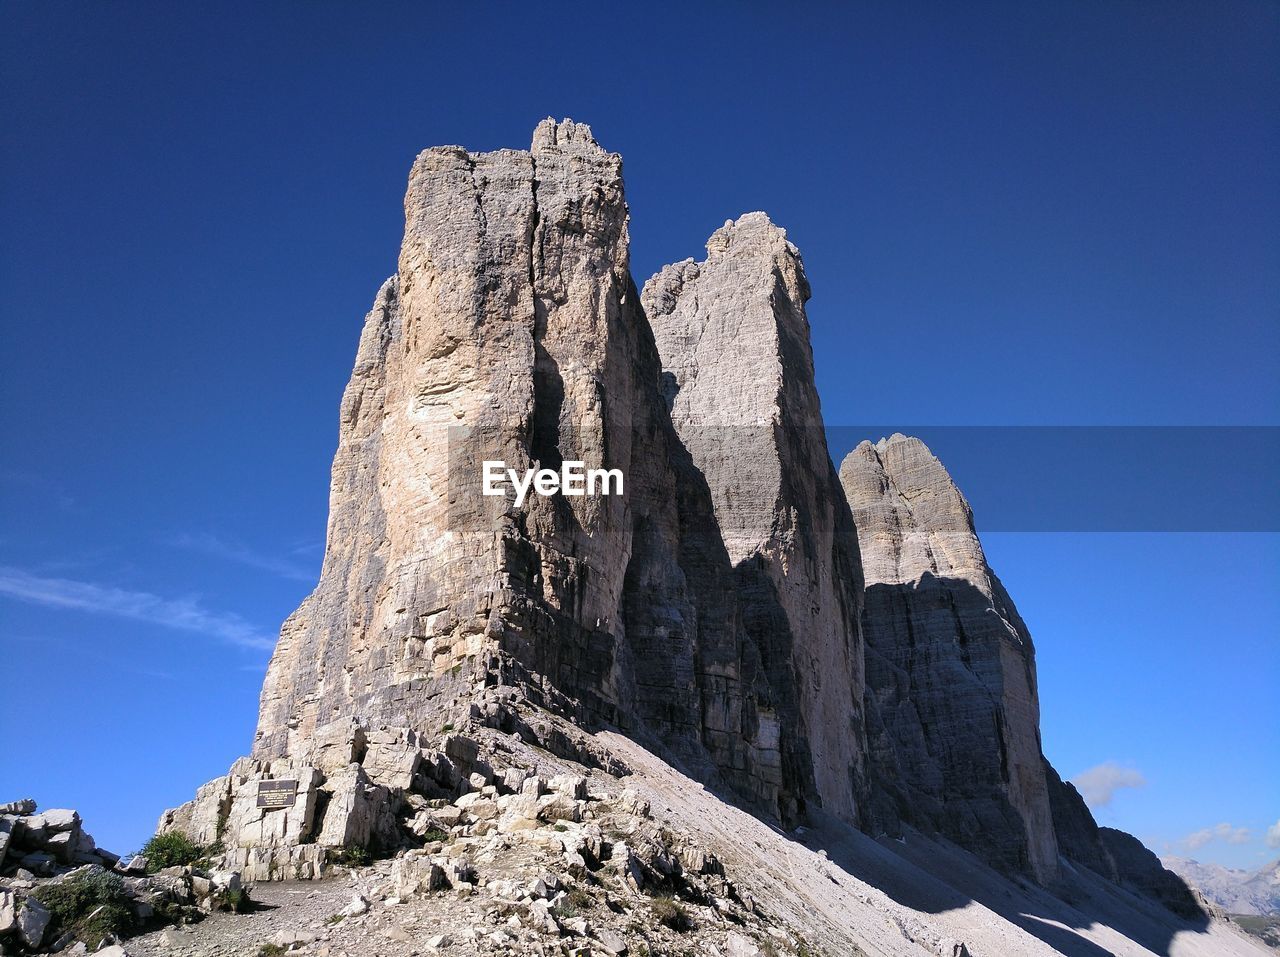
952 710
513 331
738 375
951 684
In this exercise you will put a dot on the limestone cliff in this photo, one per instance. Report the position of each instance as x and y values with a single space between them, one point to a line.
954 737
513 331
951 682
738 373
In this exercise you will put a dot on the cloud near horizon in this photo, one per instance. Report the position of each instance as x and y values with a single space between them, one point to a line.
1219 832
1273 835
1099 784
185 614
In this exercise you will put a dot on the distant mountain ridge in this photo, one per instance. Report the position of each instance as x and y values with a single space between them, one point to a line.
1235 891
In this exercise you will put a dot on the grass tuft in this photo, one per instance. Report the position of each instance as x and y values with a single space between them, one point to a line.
670 914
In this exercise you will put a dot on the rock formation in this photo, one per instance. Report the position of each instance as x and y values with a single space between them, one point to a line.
951 687
43 841
757 437
512 331
716 612
950 667
60 892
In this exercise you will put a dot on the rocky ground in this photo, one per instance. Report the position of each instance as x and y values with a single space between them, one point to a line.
360 913
549 855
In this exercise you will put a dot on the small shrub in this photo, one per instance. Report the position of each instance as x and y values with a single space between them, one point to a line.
353 857
564 910
333 919
670 914
435 834
172 849
270 950
560 827
93 906
174 912
235 902
446 727
579 898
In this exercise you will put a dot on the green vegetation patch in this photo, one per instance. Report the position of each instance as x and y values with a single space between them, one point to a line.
670 914
171 849
356 856
91 905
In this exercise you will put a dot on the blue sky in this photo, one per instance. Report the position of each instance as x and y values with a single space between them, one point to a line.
1011 214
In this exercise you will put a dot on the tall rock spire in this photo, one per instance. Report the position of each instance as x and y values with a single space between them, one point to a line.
951 681
738 373
513 331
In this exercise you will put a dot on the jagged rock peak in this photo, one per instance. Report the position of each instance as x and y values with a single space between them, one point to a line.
951 682
738 376
917 520
565 134
513 332
751 236
743 334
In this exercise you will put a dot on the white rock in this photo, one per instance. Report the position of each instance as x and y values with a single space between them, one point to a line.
33 919
357 906
8 910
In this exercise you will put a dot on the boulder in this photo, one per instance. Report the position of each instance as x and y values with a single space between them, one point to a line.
612 942
355 907
417 875
33 920
59 819
8 910
134 865
570 785
358 813
559 807
393 764
7 825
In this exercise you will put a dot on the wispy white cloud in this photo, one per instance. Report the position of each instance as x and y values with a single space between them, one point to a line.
211 544
1273 835
1099 784
183 614
1219 832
